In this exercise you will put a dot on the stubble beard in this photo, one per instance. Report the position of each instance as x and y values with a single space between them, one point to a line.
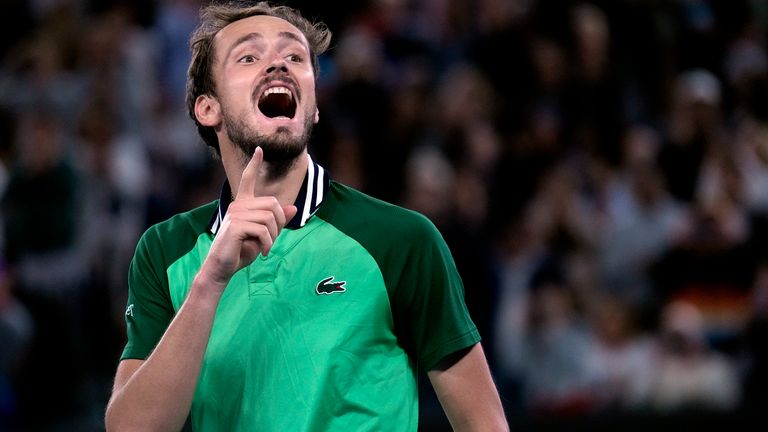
281 149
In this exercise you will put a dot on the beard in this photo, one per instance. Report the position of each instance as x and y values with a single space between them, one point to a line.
281 149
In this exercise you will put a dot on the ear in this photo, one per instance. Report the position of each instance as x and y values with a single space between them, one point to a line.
207 110
317 115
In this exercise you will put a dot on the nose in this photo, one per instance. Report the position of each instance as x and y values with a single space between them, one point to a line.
277 65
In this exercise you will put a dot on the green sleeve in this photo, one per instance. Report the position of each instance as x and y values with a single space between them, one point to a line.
149 309
425 290
428 299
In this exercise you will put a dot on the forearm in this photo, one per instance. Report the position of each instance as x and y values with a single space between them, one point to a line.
158 395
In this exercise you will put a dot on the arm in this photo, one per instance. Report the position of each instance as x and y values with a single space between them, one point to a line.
468 394
156 394
161 388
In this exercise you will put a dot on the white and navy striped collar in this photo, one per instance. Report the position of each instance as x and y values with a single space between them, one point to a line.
313 191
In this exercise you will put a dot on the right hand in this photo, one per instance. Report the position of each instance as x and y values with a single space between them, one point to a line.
249 228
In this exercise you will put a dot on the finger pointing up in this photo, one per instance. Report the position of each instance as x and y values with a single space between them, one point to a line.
247 187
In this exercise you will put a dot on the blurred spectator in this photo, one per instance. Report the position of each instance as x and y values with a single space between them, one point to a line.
505 24
16 333
641 220
7 150
40 71
175 21
430 184
47 266
687 374
118 58
556 373
161 59
593 96
115 173
711 252
697 34
694 125
749 147
360 101
621 356
10 36
42 230
755 379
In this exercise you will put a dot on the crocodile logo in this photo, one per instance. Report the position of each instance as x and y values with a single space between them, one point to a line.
329 286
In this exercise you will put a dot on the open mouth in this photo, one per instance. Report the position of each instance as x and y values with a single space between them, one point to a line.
277 102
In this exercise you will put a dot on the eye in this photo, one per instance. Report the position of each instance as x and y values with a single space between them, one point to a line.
295 58
247 59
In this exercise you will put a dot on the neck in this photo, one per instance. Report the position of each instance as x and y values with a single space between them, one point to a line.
282 182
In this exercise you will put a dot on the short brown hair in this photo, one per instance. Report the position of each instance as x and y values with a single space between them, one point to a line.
215 17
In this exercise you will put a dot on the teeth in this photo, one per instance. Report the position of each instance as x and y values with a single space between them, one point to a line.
273 90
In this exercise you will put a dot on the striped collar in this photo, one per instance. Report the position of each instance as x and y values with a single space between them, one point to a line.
313 190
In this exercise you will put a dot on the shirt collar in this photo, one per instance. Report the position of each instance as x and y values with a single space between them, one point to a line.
310 197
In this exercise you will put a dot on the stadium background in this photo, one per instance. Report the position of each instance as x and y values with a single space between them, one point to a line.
599 169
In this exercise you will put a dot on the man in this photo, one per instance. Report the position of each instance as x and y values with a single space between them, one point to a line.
302 305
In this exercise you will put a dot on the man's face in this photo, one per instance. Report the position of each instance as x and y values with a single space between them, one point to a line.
265 86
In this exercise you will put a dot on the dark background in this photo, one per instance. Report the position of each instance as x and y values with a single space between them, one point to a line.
598 168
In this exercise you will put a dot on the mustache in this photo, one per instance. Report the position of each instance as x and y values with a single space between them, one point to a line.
270 81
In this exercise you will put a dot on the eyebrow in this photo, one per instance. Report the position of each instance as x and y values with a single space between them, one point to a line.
256 35
291 35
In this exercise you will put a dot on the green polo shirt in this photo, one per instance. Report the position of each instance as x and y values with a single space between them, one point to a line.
327 332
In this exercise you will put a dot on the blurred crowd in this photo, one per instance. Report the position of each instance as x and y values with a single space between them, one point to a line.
598 168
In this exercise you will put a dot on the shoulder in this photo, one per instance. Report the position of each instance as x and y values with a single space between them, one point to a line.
359 214
192 222
175 235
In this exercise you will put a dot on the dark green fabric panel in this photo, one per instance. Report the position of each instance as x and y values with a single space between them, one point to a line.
148 296
426 292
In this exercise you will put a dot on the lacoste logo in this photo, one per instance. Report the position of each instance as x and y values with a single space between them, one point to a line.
328 286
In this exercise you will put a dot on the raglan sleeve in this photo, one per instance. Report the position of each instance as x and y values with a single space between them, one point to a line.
149 309
431 313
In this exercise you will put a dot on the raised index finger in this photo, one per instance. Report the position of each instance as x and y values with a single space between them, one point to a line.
248 178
